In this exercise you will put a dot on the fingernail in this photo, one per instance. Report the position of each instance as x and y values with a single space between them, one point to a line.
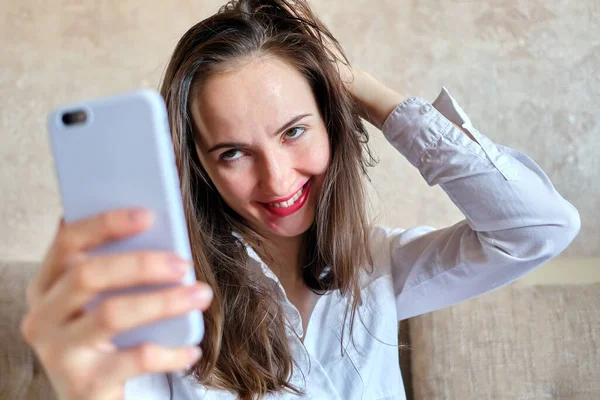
138 216
195 353
177 264
201 294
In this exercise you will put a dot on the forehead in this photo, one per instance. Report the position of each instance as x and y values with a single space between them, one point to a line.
256 97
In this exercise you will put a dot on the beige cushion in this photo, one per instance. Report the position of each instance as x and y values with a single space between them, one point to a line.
519 342
21 374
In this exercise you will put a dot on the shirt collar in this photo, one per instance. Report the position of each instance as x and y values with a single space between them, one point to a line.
254 257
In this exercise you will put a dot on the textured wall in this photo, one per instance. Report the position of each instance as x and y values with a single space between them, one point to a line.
526 71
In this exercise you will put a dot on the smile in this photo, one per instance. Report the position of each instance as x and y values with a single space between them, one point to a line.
285 208
290 201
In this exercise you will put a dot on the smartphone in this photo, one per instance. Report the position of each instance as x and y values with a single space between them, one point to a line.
116 152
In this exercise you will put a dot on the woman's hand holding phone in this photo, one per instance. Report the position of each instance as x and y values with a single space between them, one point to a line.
74 347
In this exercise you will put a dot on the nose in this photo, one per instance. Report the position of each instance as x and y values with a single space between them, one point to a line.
276 174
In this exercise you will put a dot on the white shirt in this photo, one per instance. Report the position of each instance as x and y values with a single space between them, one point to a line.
514 221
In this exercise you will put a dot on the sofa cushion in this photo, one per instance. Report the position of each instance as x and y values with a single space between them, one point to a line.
22 375
526 342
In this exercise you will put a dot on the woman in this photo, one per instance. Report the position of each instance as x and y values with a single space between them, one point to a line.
272 155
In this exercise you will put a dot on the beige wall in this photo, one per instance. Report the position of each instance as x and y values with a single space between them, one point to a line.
527 72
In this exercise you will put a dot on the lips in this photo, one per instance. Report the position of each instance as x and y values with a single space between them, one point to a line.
285 211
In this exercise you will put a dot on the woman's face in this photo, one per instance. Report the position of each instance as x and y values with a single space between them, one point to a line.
264 144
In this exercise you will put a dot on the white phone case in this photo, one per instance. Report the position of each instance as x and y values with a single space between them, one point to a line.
122 156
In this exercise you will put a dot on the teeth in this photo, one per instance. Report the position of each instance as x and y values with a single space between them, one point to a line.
291 201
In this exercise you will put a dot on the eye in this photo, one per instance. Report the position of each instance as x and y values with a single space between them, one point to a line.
296 131
230 155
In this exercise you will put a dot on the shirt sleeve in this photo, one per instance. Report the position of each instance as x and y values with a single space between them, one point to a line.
515 220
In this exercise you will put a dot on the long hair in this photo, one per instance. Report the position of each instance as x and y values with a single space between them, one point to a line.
245 348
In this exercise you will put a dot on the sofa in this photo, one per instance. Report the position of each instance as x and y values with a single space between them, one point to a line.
525 72
518 342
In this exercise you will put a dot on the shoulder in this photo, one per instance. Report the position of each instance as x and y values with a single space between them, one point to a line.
188 388
171 386
382 236
148 386
380 241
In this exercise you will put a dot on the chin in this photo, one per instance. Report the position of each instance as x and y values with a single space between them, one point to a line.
288 227
292 228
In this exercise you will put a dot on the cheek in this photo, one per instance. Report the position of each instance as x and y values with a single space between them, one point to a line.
316 158
234 191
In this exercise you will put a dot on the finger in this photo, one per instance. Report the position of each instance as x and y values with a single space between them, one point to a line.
115 271
117 314
78 286
150 358
88 233
77 237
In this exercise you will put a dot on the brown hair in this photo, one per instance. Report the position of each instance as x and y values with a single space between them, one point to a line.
338 238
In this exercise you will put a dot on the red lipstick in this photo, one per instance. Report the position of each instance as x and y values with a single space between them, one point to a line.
285 211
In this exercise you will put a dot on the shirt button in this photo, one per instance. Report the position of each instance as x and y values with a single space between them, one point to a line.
425 108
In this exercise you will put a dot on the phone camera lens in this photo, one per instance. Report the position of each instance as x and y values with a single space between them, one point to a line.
75 117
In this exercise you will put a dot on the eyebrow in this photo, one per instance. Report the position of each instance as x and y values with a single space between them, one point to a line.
287 125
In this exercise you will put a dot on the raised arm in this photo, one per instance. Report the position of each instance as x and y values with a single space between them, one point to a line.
515 220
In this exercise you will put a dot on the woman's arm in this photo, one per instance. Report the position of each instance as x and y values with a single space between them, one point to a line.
378 101
515 220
